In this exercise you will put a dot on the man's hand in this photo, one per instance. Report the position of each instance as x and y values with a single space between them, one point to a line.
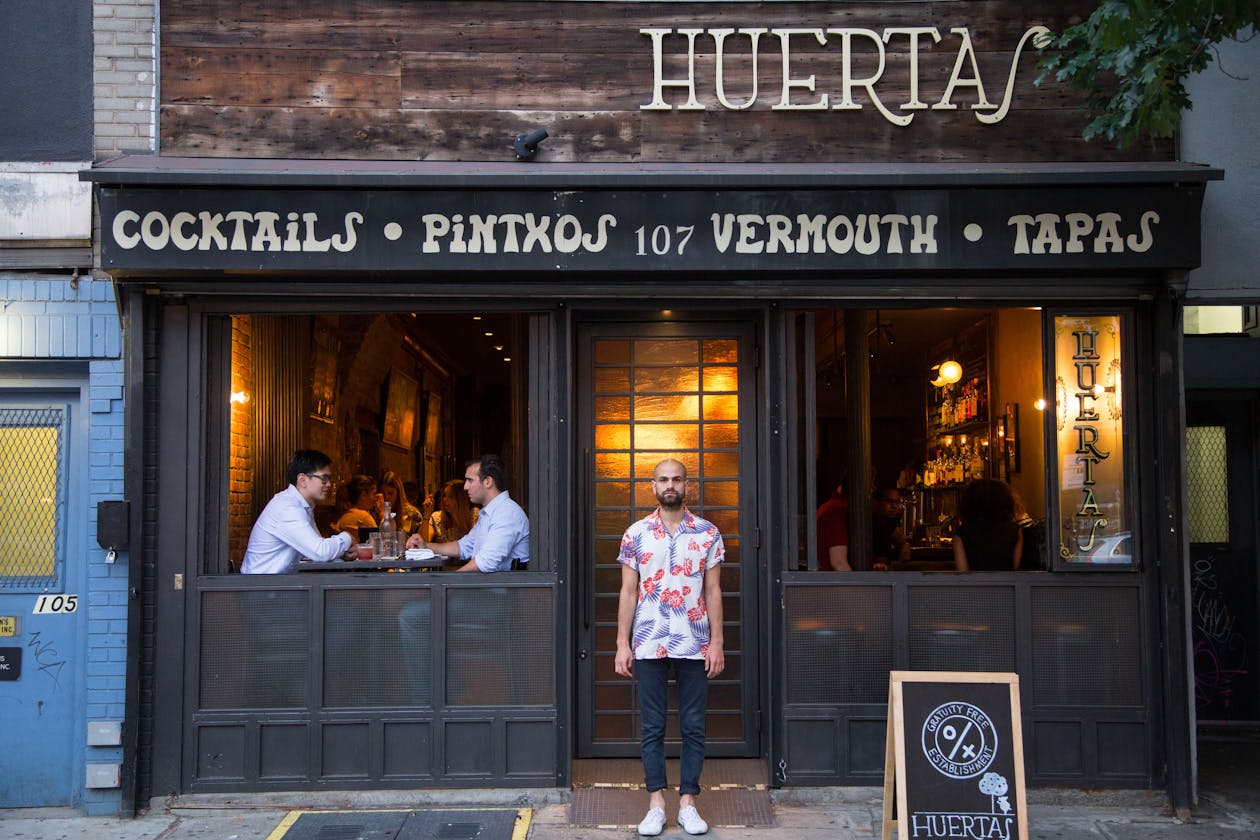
714 660
416 541
625 660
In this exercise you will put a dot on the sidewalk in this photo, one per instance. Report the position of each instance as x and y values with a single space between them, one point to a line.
801 814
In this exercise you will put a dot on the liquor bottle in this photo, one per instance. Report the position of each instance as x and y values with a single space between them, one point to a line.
389 534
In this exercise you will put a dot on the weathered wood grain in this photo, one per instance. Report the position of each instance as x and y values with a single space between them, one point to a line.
440 80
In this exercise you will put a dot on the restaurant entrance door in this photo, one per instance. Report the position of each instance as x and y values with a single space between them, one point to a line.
1224 569
646 392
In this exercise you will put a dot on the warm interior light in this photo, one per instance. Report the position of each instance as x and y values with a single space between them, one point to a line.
489 334
950 371
507 358
239 397
1039 404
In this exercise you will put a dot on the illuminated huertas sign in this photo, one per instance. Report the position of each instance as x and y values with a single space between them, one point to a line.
743 48
1094 525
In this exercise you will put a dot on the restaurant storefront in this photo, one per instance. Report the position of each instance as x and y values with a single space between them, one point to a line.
779 324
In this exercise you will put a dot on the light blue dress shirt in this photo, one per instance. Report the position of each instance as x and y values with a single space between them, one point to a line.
285 531
500 536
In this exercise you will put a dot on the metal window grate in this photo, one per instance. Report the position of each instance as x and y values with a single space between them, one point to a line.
32 497
839 644
1207 484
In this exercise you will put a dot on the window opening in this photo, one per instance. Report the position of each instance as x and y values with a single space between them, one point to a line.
32 497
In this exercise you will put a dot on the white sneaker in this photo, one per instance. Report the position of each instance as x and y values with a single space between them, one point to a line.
689 819
654 822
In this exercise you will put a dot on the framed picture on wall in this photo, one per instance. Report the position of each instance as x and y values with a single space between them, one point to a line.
433 424
325 347
400 410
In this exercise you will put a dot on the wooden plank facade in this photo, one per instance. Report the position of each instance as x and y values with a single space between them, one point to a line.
448 81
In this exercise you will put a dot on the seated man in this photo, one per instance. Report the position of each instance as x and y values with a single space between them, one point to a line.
500 539
285 530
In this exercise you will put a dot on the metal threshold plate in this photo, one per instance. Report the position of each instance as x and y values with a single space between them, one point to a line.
435 824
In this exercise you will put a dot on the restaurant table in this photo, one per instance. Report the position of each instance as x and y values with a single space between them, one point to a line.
384 564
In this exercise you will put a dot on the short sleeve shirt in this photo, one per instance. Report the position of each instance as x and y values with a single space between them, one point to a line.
671 619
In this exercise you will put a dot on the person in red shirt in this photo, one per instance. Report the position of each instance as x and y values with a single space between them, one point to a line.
833 533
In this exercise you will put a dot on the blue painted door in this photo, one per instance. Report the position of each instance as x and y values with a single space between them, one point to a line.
42 548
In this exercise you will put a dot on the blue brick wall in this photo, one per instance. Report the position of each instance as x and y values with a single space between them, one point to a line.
56 318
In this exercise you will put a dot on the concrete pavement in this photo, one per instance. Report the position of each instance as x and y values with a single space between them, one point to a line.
802 814
1229 807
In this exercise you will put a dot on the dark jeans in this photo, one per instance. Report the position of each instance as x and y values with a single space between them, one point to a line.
652 676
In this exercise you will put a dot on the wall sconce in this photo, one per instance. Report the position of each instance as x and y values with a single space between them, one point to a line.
239 397
947 373
1040 403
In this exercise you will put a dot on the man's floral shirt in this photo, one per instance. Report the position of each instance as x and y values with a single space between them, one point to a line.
671 619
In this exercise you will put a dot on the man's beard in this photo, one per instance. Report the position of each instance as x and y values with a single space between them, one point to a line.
675 501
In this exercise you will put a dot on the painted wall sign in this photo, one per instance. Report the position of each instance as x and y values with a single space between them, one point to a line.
10 663
866 230
955 753
801 92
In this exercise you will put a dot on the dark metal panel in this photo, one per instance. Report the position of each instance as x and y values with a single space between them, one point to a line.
137 727
1067 742
47 98
167 478
1167 399
1222 361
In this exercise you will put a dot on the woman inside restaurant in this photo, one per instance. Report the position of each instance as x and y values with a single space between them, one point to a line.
366 507
456 517
406 515
988 539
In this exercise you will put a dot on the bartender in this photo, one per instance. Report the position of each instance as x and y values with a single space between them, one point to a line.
888 539
500 539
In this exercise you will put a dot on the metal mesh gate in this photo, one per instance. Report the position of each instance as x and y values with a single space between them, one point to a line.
32 497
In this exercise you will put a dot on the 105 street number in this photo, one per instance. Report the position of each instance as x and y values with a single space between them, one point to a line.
56 604
662 240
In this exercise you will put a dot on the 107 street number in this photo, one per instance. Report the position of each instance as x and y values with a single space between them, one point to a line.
56 604
661 239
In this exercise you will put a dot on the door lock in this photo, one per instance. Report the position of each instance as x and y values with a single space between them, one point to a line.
582 654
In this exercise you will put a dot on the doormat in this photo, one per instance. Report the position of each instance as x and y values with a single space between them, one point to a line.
436 824
622 807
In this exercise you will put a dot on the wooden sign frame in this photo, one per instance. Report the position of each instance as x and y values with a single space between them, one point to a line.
895 765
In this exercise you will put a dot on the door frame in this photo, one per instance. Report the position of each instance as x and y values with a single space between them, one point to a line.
747 327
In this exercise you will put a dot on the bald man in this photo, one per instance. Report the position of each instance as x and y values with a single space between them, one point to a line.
669 617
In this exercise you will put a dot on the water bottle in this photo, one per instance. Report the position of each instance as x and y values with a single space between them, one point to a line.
389 534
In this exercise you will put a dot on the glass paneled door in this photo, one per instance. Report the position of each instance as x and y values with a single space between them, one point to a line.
647 392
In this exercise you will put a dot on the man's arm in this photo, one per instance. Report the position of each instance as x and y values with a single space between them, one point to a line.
715 656
839 556
296 531
626 603
960 555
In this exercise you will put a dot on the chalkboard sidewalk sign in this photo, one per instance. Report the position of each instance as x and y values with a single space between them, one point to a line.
955 757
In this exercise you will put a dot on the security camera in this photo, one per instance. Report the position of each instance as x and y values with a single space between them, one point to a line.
526 145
